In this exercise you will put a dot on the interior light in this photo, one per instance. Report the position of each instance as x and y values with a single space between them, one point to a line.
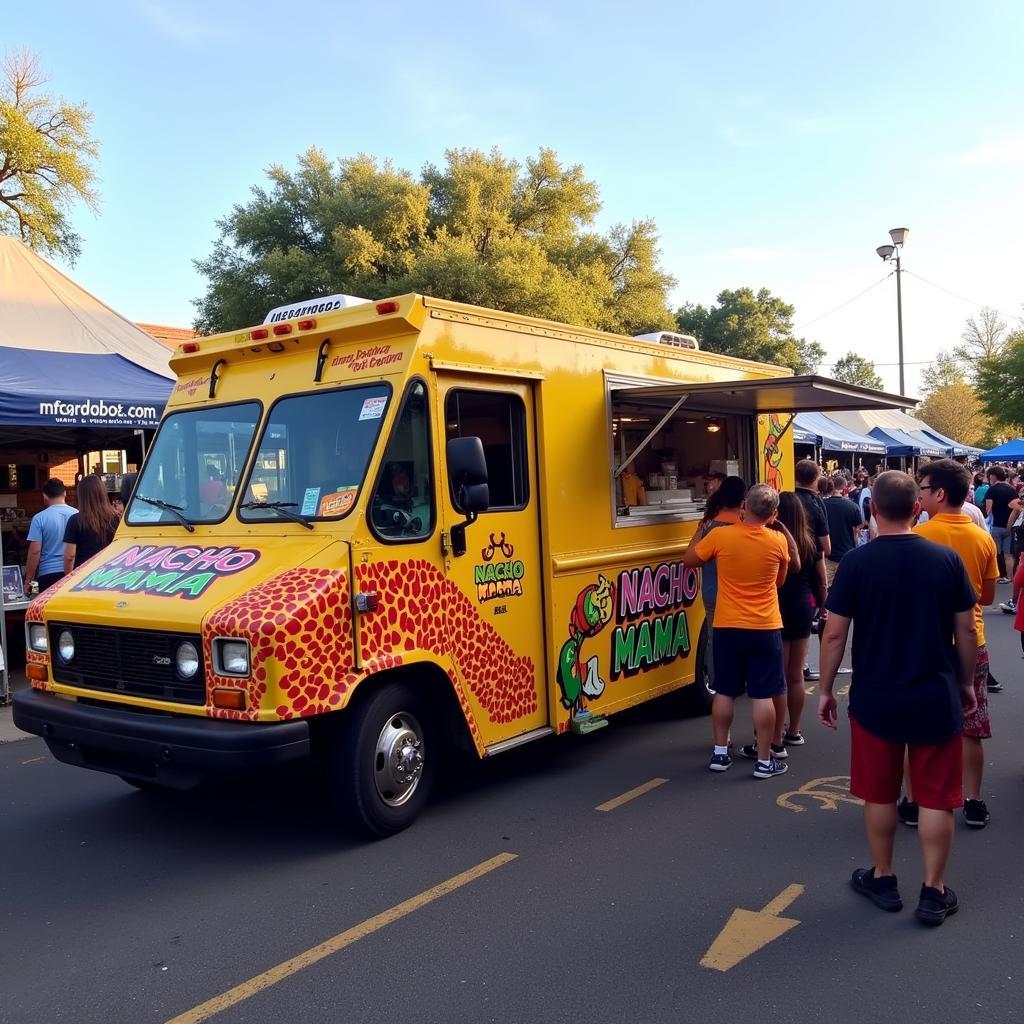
714 426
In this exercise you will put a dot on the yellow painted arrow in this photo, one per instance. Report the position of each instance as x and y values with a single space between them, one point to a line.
747 931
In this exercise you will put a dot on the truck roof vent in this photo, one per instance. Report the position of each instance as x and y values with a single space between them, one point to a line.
670 338
313 307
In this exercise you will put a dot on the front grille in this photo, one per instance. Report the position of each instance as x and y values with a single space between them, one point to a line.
127 661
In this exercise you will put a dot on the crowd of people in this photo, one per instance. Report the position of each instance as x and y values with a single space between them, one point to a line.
63 537
839 552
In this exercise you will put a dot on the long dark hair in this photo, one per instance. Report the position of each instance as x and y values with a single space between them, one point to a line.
730 494
95 512
794 518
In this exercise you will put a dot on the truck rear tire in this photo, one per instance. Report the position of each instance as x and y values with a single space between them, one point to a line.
383 760
698 696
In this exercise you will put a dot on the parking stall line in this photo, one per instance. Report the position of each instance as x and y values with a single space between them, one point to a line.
247 989
618 801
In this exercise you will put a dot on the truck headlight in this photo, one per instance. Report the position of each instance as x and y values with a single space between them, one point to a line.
37 637
231 657
66 645
186 660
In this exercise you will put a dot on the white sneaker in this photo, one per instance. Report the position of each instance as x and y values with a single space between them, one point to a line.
1008 607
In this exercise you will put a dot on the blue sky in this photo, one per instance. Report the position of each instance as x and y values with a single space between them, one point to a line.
773 144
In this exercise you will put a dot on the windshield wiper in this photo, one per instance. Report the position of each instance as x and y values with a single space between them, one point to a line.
175 510
284 507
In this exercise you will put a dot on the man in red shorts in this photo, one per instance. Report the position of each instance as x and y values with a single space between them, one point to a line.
912 687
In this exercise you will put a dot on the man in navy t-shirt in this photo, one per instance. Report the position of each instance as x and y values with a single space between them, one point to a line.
911 687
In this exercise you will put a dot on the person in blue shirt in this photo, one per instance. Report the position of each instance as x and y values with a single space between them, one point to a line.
46 538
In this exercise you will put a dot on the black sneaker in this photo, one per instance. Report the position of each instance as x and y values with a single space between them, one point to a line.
934 907
883 892
907 812
994 686
976 813
720 763
793 739
779 752
769 769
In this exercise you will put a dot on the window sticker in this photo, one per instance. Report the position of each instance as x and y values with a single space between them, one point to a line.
338 503
373 408
309 501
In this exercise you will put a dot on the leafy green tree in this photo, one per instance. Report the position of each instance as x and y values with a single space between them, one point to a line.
482 229
998 383
954 409
855 369
46 151
947 368
751 325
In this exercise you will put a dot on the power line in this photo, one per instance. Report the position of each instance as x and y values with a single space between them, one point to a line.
808 323
962 298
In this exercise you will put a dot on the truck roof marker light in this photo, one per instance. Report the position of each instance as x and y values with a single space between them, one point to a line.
259 334
383 308
188 347
307 325
280 329
228 698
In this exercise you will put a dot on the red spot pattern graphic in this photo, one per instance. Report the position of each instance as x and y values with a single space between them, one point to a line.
422 610
299 628
34 613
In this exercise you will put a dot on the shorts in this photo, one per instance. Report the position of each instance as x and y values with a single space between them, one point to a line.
1001 535
978 725
830 571
876 770
750 659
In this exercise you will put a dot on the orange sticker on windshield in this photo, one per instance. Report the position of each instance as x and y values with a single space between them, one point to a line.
338 503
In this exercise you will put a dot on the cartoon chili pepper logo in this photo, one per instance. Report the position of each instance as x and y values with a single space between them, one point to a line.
593 610
773 453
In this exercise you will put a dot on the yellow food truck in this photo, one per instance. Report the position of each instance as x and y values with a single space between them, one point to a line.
365 531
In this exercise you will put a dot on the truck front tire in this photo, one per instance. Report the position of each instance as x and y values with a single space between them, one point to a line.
383 760
698 696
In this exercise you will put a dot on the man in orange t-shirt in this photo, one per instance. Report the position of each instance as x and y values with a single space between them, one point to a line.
752 559
944 486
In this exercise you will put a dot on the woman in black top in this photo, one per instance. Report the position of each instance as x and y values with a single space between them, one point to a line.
92 529
797 613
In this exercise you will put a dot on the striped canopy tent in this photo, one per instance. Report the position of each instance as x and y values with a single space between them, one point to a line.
74 374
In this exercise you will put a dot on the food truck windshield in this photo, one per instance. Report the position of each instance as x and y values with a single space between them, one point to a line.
310 460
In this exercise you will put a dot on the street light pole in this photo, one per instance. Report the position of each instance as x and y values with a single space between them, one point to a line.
892 252
899 318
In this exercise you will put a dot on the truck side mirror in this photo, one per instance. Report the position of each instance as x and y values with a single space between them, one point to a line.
467 474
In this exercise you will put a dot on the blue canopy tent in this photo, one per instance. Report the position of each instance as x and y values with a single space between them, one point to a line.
825 433
74 400
1010 451
899 444
956 448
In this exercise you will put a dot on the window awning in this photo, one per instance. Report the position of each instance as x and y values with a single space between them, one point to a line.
776 394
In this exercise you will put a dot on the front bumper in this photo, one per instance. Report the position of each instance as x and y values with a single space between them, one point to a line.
170 750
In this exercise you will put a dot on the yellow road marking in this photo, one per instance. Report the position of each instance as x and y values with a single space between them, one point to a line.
247 989
747 931
830 791
610 805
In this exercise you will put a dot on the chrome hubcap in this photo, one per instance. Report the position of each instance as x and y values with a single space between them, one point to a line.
398 759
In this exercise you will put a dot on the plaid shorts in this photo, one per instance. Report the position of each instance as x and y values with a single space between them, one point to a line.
978 724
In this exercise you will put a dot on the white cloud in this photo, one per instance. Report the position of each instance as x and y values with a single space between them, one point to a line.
1005 151
754 254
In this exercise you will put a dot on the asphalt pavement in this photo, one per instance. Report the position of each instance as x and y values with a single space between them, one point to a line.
514 898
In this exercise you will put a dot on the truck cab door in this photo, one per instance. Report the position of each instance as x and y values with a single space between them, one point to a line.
497 621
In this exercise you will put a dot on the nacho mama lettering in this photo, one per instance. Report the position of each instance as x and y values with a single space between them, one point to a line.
167 571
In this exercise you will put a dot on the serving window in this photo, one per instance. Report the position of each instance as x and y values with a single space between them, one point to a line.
663 452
